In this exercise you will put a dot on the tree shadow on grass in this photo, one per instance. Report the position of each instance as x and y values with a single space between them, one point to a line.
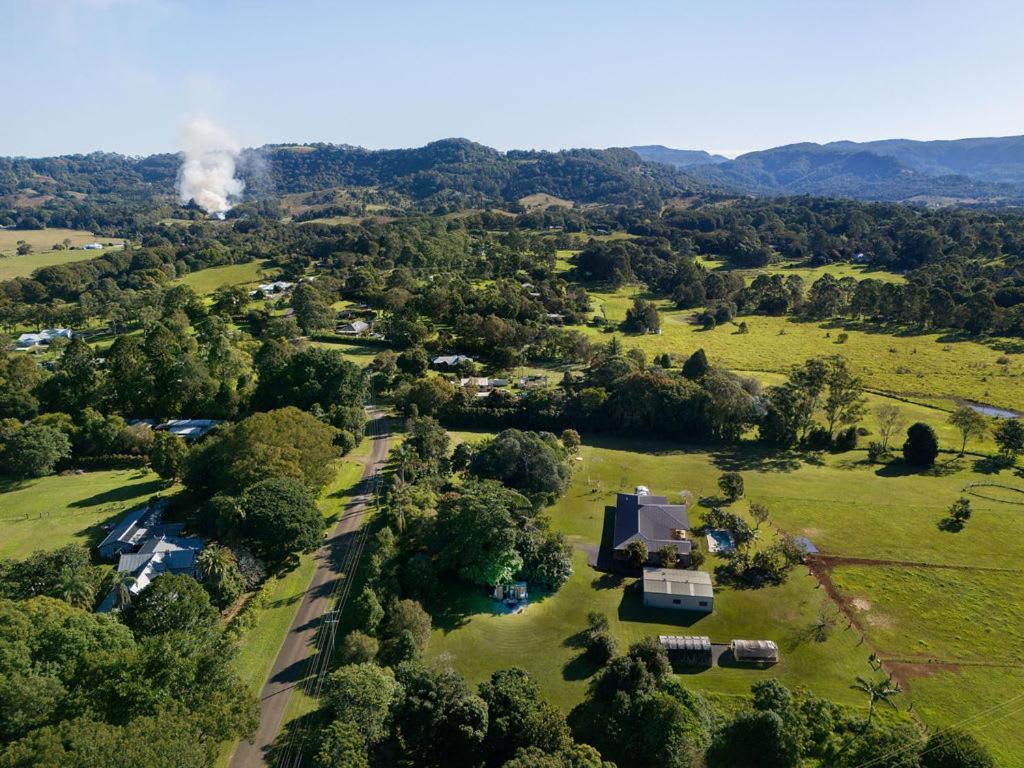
580 667
298 740
744 458
8 484
903 469
989 465
608 581
121 493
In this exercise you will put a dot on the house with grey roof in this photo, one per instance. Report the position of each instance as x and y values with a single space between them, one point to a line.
355 328
164 552
190 429
652 520
43 337
450 361
132 529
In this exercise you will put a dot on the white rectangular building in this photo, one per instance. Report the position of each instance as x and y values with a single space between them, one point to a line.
679 589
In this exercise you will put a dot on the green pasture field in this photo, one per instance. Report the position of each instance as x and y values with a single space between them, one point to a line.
930 367
961 634
204 281
477 641
43 255
987 701
809 274
849 509
49 512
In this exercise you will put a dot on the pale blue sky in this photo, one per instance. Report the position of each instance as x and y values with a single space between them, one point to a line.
723 75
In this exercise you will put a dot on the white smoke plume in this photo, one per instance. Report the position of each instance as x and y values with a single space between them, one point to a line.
207 173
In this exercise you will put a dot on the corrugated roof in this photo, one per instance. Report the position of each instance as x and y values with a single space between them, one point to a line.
673 581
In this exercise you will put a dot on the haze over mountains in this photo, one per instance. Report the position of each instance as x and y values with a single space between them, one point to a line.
975 170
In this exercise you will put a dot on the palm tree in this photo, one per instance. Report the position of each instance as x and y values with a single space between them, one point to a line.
877 690
76 589
214 563
123 583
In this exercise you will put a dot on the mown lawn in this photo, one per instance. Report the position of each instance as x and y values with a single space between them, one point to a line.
543 638
206 281
49 512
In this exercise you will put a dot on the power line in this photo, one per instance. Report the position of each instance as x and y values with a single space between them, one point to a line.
319 664
959 724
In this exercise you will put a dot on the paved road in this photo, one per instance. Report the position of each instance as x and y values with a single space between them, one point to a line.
290 665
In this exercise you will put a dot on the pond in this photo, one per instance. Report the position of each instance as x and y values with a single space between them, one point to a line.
989 410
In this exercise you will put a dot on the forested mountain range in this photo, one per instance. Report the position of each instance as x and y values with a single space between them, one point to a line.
450 170
105 189
970 171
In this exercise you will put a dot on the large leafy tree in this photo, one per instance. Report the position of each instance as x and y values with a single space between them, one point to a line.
921 446
518 718
34 450
476 532
280 518
309 376
440 722
535 463
283 443
363 694
171 602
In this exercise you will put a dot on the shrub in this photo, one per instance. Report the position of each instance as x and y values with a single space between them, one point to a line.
846 440
602 647
876 452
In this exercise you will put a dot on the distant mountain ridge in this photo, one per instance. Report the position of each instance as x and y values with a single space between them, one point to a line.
680 158
982 170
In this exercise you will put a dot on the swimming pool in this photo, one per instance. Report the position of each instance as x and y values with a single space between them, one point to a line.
720 541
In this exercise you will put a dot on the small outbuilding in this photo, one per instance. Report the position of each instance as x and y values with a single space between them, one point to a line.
690 651
755 651
679 589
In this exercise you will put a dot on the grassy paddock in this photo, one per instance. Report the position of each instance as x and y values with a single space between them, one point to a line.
49 512
43 255
959 615
205 281
921 366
